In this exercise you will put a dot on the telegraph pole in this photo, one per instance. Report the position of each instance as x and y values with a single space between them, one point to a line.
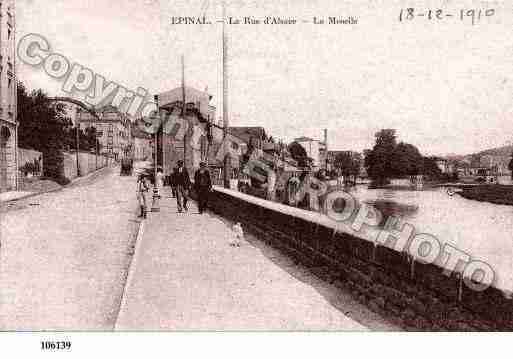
156 142
226 124
183 110
326 149
96 145
77 129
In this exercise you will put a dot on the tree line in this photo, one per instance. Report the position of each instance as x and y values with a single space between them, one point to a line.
390 159
44 126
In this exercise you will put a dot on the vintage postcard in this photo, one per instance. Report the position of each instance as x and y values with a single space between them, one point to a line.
242 165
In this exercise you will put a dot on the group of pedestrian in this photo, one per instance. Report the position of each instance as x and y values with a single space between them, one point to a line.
180 183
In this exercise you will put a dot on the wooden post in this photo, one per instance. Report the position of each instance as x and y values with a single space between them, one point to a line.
77 129
184 111
226 124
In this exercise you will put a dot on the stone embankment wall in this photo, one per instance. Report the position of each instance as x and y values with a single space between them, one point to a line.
417 296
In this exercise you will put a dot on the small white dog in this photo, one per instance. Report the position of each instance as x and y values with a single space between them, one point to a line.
239 234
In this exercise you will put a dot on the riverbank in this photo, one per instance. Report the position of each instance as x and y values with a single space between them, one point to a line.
497 194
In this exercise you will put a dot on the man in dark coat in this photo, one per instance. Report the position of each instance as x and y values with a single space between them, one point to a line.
182 182
172 182
202 186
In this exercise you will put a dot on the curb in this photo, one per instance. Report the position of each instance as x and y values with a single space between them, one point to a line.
131 269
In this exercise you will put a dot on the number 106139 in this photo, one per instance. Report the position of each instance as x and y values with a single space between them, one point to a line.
49 345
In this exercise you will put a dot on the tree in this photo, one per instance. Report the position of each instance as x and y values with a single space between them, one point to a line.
356 164
406 160
70 136
42 126
90 139
378 161
430 168
348 163
510 165
298 153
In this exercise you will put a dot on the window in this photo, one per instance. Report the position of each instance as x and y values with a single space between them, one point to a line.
9 32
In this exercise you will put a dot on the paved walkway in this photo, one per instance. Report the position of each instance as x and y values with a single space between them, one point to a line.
187 275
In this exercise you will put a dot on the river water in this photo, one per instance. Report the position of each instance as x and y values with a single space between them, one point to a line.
482 230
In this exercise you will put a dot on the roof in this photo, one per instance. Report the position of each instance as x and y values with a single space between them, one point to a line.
271 146
176 94
192 95
108 108
304 139
247 132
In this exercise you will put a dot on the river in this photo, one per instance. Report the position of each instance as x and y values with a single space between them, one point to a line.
482 230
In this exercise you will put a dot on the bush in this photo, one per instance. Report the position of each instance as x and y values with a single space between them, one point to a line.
27 168
54 163
62 180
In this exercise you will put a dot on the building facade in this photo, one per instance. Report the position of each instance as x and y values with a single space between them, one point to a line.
142 144
499 164
199 136
113 130
8 99
313 149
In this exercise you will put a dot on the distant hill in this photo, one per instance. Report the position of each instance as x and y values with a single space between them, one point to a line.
498 151
503 151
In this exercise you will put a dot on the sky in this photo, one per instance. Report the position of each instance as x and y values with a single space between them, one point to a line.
446 86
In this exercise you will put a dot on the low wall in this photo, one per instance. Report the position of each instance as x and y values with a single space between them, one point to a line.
87 163
420 295
29 156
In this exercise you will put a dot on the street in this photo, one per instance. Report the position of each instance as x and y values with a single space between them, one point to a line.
65 255
66 258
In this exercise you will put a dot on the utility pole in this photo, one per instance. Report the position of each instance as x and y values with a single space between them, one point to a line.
156 142
155 205
326 149
226 124
183 110
96 145
77 129
162 124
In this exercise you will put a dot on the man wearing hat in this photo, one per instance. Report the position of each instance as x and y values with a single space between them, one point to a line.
182 182
202 186
142 193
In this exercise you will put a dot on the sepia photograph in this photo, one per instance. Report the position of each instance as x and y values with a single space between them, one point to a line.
255 166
